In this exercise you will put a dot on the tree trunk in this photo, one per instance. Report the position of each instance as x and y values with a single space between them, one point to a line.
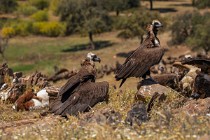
151 4
193 2
92 45
117 12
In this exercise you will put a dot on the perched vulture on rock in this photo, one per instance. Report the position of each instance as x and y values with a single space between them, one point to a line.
148 54
80 93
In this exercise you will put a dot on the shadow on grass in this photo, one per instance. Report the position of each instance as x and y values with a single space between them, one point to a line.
124 54
165 10
80 47
182 4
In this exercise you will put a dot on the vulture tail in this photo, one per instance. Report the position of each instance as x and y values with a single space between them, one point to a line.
123 80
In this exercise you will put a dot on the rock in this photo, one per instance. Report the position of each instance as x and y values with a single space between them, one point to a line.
148 87
137 114
108 116
156 97
195 107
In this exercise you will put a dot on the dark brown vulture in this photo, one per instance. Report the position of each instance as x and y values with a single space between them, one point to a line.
80 93
204 64
201 86
145 56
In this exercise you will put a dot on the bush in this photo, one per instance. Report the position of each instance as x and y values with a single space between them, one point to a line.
7 6
201 3
192 28
40 4
51 29
135 24
27 10
40 16
23 28
184 25
7 32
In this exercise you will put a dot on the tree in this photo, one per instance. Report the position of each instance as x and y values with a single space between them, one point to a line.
135 24
200 38
7 6
84 16
193 29
201 3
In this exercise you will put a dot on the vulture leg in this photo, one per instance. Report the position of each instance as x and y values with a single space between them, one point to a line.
123 80
145 75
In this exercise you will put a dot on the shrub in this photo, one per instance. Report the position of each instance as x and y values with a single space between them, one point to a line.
135 24
7 6
40 4
23 28
40 16
27 10
7 32
201 3
184 25
51 29
192 28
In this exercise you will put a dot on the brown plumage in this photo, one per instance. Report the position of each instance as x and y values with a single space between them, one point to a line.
144 57
169 79
202 63
80 93
201 86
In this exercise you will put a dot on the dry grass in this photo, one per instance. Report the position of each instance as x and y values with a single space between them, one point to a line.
163 123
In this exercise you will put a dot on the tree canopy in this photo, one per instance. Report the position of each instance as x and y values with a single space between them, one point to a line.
85 17
7 6
134 25
192 28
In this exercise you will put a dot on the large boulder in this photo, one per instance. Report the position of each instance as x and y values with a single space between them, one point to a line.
147 88
197 107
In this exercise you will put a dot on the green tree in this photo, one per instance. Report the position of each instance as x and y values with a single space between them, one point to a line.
7 6
192 28
135 24
200 38
84 16
201 3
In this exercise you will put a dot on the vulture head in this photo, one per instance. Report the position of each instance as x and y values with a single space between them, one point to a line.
156 25
92 57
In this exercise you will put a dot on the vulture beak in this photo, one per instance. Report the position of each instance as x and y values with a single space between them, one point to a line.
159 25
96 59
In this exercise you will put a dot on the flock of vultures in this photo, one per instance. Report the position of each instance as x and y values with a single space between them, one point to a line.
187 75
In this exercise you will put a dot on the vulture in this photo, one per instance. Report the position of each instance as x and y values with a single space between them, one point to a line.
204 64
201 86
149 53
81 92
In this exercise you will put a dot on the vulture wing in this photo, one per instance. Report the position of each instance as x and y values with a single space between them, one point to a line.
139 62
70 87
204 64
85 98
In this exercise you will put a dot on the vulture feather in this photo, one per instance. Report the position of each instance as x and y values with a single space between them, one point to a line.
80 93
145 56
204 64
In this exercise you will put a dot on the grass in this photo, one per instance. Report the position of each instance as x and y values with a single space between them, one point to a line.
164 124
